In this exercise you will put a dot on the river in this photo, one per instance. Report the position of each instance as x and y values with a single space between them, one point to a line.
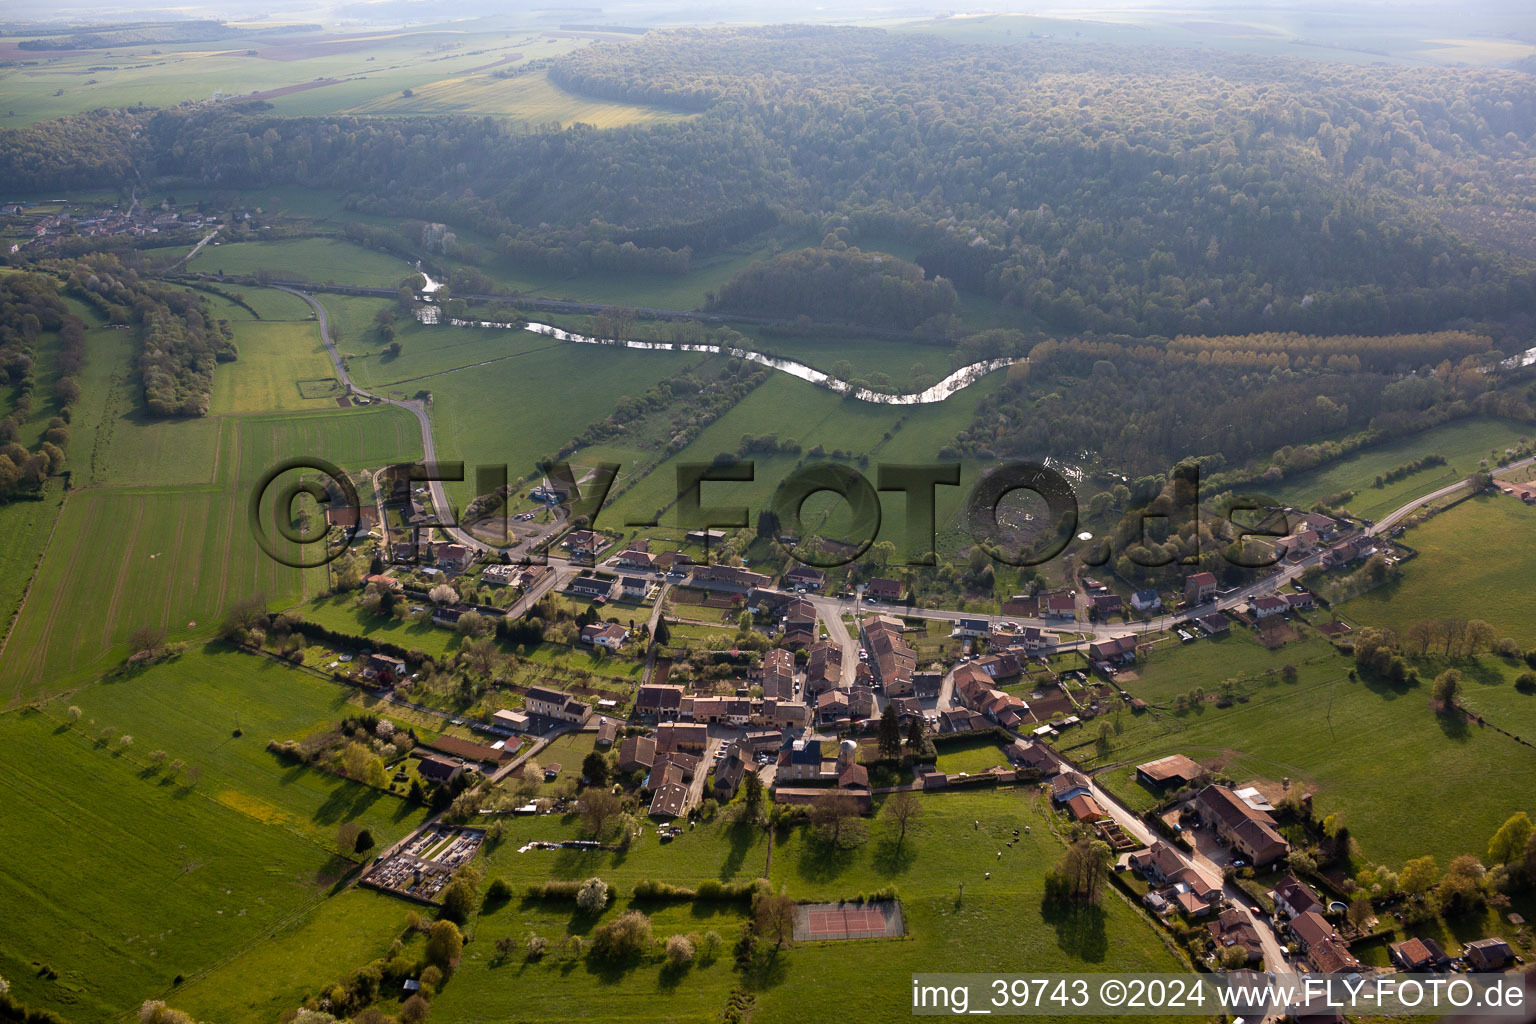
960 379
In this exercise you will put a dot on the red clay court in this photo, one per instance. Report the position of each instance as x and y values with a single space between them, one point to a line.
822 921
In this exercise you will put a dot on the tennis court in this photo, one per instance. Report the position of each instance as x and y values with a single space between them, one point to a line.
821 921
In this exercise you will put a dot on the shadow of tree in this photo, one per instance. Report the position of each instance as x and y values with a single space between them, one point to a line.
743 836
821 861
1453 722
890 860
1079 928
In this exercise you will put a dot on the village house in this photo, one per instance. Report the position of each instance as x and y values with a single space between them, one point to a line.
1299 601
1119 650
658 702
732 769
1146 601
799 760
1174 771
1325 949
711 710
505 721
439 770
607 730
1058 605
892 661
1085 808
1035 756
451 557
673 560
635 559
383 669
608 635
681 736
1418 955
501 575
383 582
1349 551
1293 897
778 675
1233 929
1267 606
1488 954
784 714
669 800
1214 624
726 578
805 576
975 692
882 589
1250 831
832 706
1105 605
634 588
636 753
450 614
1199 588
1158 864
557 704
823 668
1004 665
590 588
971 627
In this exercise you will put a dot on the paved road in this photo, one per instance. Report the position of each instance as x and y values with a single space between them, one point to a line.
830 612
1391 519
1274 955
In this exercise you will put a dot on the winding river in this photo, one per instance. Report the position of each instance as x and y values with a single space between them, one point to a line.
960 379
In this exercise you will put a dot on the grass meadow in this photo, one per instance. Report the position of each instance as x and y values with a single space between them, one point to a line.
1463 443
299 958
892 434
1475 562
377 66
321 260
861 980
1353 743
175 557
273 357
530 99
129 879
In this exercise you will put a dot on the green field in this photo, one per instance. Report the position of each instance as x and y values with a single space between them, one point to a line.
971 757
25 525
303 957
1463 443
1353 742
947 851
273 356
917 433
367 67
530 99
176 557
321 260
1475 562
128 880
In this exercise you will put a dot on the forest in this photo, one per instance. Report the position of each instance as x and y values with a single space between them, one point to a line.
1246 397
838 283
1103 190
179 340
30 306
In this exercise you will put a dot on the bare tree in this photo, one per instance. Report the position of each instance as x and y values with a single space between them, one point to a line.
774 919
904 811
599 809
146 640
832 814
